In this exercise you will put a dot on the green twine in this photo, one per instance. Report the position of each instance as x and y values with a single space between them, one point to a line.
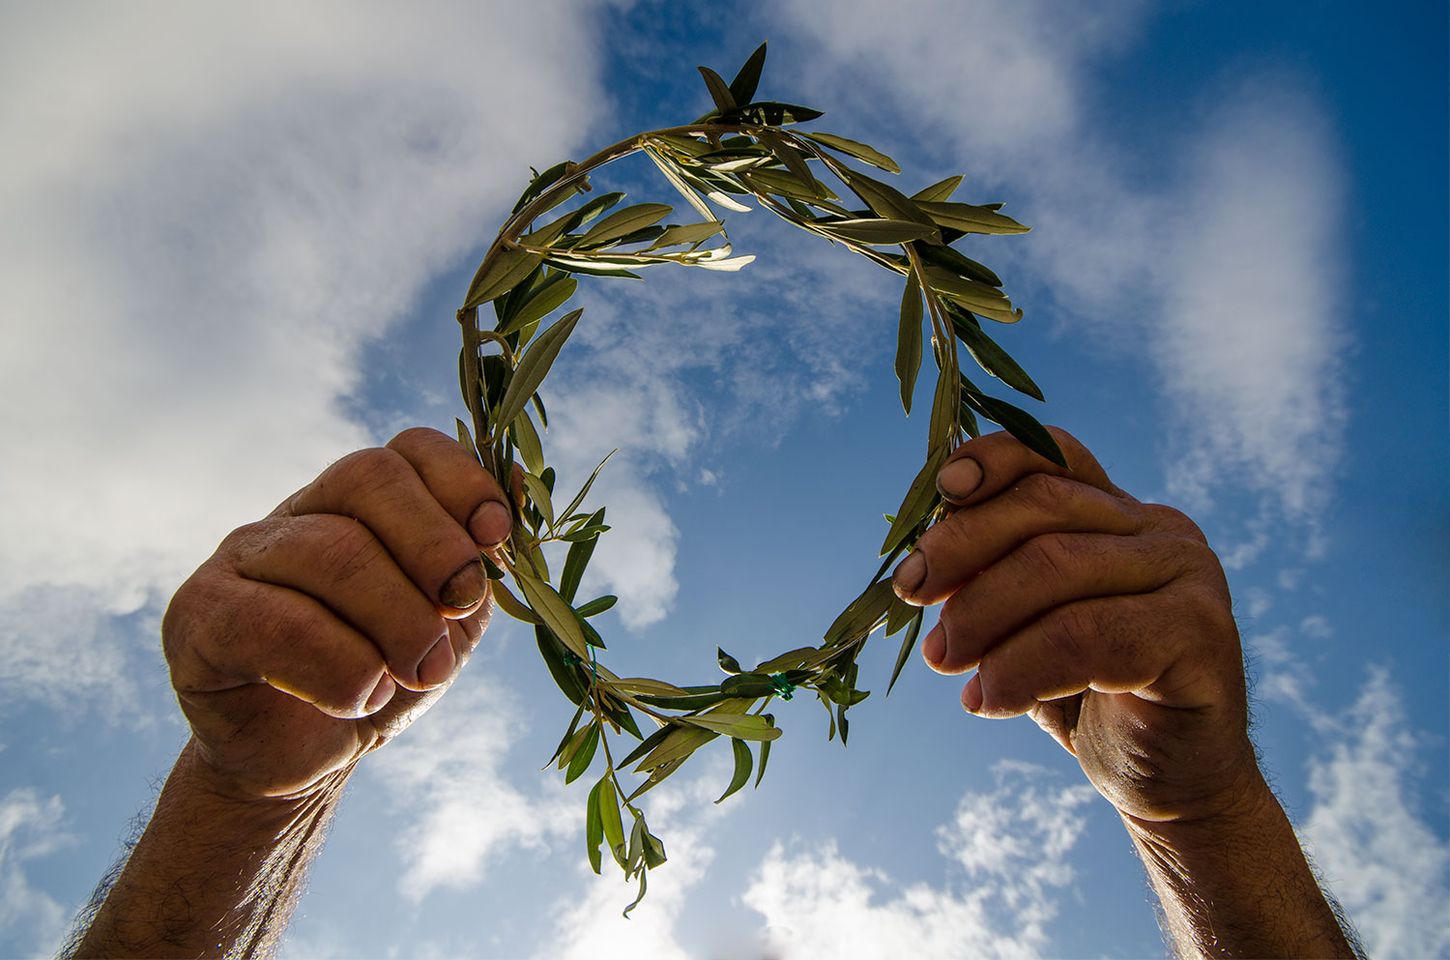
782 686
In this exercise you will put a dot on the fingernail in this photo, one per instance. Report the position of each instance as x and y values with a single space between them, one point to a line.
909 575
958 479
437 664
491 523
972 694
381 694
466 587
934 647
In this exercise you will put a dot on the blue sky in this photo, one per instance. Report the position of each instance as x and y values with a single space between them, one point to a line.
231 243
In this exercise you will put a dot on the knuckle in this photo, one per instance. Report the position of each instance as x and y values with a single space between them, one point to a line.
1043 492
1174 521
415 438
371 472
346 549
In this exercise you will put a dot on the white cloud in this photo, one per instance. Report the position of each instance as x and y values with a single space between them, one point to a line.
1253 282
1384 863
206 212
1011 845
1216 255
30 827
447 777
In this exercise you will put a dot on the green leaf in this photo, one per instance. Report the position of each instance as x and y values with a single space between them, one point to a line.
638 685
610 821
591 269
534 366
971 218
597 206
752 685
898 615
1017 422
594 825
719 92
877 231
908 341
654 850
992 358
574 563
939 191
886 200
979 298
742 88
679 744
584 490
648 744
691 233
681 187
858 150
921 497
727 663
542 182
745 728
511 604
543 300
552 650
597 606
744 762
770 113
556 613
526 440
508 269
539 495
566 755
908 643
643 885
584 755
568 735
945 256
860 615
785 183
622 223
764 757
791 659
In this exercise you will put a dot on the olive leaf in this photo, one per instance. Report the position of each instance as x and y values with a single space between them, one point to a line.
908 341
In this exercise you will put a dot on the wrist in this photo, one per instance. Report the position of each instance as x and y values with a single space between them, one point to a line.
1245 807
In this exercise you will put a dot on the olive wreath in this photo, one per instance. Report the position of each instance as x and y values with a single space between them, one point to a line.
742 148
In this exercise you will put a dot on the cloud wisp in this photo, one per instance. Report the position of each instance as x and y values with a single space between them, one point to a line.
1010 848
1216 259
1373 847
30 827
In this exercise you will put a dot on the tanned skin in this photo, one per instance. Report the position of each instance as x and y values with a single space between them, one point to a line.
316 635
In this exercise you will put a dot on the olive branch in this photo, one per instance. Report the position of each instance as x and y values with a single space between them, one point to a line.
742 148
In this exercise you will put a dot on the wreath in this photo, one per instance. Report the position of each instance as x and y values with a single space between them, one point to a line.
743 148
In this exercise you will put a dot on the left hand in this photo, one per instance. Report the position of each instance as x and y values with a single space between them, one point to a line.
1106 620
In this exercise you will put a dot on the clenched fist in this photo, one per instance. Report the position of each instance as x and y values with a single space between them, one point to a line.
318 633
1106 620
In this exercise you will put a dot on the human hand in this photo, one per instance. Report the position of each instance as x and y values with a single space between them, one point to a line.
317 634
1106 620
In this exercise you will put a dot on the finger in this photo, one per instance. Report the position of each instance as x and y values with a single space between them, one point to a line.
1147 645
339 562
458 482
276 636
380 488
1044 573
985 466
975 537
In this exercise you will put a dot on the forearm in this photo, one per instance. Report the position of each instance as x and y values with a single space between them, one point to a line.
1239 886
211 876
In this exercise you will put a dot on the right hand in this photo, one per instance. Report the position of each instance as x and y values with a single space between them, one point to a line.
317 634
